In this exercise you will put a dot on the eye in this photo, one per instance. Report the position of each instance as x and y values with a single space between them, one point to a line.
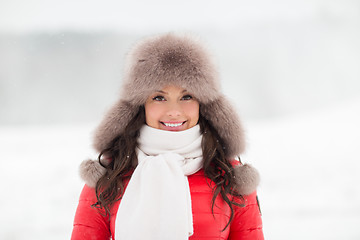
158 98
187 97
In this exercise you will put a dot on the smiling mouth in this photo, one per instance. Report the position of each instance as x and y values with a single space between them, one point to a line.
173 124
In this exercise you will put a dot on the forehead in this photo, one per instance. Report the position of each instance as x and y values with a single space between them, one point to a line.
171 90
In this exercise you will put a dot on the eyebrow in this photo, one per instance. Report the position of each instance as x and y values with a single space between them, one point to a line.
161 91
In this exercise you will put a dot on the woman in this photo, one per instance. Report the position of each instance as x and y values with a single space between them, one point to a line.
167 167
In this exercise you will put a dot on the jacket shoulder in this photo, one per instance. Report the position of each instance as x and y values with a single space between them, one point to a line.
88 194
90 222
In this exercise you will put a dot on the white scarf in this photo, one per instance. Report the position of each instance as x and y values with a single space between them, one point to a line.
157 202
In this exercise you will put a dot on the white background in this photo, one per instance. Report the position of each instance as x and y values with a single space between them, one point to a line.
292 68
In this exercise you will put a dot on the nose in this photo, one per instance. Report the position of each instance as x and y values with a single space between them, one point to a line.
174 110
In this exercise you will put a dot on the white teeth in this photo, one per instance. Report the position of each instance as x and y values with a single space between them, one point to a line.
173 124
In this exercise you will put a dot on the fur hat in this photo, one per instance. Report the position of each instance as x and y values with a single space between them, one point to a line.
172 60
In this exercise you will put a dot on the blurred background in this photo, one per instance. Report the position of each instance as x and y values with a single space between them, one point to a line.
291 67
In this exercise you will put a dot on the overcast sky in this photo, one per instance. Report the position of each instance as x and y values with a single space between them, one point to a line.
23 15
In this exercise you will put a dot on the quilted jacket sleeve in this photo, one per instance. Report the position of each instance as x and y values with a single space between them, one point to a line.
247 223
89 223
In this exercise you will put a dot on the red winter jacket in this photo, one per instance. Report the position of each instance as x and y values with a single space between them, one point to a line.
89 223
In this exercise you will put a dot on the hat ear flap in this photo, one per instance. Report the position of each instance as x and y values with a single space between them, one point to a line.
114 123
222 116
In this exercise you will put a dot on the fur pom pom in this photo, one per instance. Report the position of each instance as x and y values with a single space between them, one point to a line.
91 171
247 179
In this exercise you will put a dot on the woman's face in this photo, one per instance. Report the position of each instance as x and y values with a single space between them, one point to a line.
171 108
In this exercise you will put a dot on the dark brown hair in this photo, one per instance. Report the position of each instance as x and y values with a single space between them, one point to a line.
123 160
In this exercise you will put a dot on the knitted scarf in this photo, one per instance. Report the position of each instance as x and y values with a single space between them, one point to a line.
157 203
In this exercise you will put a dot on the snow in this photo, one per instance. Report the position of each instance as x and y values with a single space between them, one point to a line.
309 167
40 180
309 163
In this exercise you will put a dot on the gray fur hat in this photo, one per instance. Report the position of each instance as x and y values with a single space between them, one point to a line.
172 60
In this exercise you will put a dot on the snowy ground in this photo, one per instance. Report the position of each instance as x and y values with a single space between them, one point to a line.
309 165
310 173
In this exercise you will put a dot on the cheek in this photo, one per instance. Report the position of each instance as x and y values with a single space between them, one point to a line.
152 113
192 111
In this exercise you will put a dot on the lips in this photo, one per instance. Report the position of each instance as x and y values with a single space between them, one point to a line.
174 126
